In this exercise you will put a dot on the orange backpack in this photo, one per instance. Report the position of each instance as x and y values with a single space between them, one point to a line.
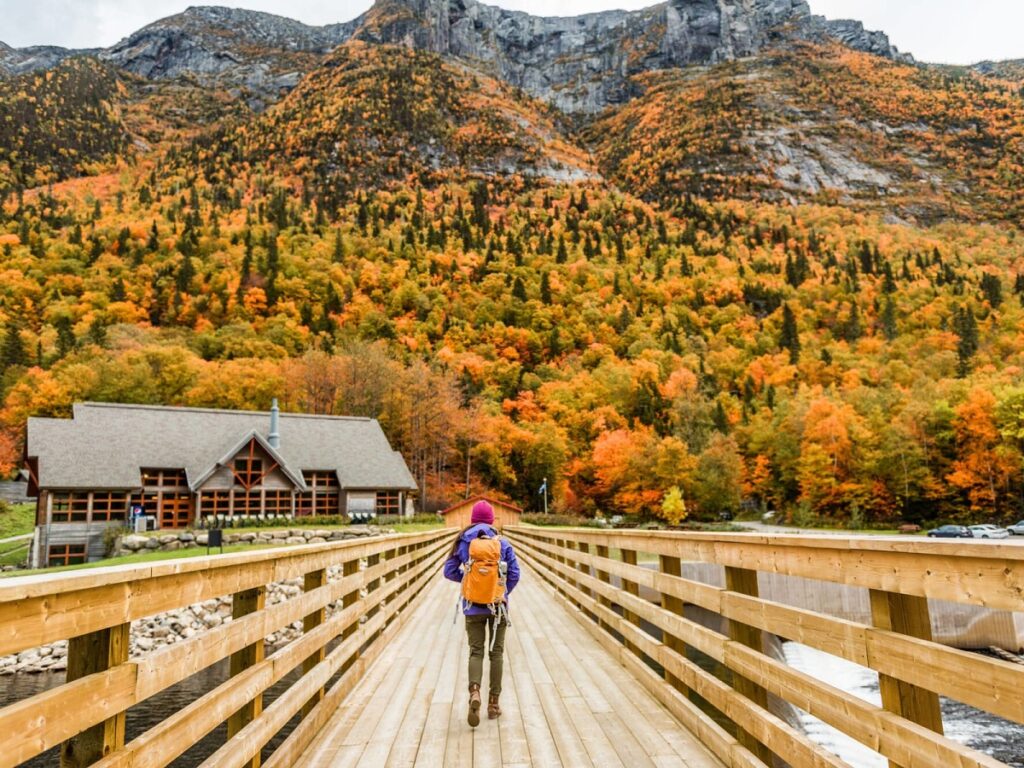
483 582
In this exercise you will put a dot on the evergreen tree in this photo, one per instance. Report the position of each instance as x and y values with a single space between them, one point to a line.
519 289
889 319
966 328
851 329
720 418
563 254
12 351
992 288
789 337
339 248
545 288
66 340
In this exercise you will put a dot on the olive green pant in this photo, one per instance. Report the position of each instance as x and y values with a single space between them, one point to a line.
479 640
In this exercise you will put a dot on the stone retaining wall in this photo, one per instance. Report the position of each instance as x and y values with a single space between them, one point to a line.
168 542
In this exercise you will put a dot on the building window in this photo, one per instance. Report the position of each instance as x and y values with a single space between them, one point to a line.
164 478
248 503
66 554
150 503
322 496
278 503
248 471
216 503
109 507
387 503
70 508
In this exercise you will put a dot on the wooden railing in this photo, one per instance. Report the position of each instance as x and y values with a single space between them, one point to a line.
93 610
597 572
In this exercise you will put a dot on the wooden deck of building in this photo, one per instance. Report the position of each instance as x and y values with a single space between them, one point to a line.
566 700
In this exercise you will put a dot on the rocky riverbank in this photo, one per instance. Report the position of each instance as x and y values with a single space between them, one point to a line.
176 626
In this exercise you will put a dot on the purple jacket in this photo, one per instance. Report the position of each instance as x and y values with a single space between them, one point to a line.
453 565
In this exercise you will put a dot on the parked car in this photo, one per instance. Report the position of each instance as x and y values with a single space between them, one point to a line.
989 532
1016 530
951 532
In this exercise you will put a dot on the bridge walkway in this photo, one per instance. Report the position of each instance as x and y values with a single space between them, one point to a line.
566 700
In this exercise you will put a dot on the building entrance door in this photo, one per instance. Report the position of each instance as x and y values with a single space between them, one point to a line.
175 511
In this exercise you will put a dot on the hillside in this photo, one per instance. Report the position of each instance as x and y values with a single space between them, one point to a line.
787 275
812 122
377 114
60 122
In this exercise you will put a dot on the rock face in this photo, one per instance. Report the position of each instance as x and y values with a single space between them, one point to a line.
259 52
852 34
17 61
581 64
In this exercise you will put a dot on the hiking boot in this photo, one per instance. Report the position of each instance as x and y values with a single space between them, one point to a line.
493 710
474 705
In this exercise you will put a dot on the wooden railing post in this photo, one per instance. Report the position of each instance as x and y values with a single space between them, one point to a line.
602 551
243 603
311 581
371 561
744 581
569 560
672 566
632 588
87 654
908 615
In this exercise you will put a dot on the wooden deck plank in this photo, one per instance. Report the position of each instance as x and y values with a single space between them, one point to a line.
566 702
515 749
326 749
578 707
405 714
541 744
434 738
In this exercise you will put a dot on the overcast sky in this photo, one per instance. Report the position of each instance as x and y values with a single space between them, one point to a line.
948 31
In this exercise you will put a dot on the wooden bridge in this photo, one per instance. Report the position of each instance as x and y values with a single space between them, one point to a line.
597 673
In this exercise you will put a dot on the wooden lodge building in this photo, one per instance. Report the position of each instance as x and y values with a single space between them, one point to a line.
180 465
458 515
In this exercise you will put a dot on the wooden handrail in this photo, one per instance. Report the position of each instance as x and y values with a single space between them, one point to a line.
917 670
88 608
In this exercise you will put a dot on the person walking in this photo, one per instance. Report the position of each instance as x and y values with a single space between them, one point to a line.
486 567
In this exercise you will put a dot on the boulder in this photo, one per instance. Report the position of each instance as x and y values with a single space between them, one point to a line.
296 540
134 542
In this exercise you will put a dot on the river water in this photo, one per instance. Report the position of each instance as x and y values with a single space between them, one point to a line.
151 712
979 730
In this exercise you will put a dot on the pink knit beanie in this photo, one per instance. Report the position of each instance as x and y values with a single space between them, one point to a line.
482 513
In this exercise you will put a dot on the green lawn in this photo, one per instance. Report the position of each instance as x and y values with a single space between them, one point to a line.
11 554
398 527
20 519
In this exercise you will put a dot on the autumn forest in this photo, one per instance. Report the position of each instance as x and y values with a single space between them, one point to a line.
637 306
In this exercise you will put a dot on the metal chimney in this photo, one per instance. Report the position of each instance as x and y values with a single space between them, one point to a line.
274 438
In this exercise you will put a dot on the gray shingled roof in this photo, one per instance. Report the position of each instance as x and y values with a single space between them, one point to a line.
105 445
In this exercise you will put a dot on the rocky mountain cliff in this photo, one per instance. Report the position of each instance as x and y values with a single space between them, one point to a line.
580 64
17 61
259 52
